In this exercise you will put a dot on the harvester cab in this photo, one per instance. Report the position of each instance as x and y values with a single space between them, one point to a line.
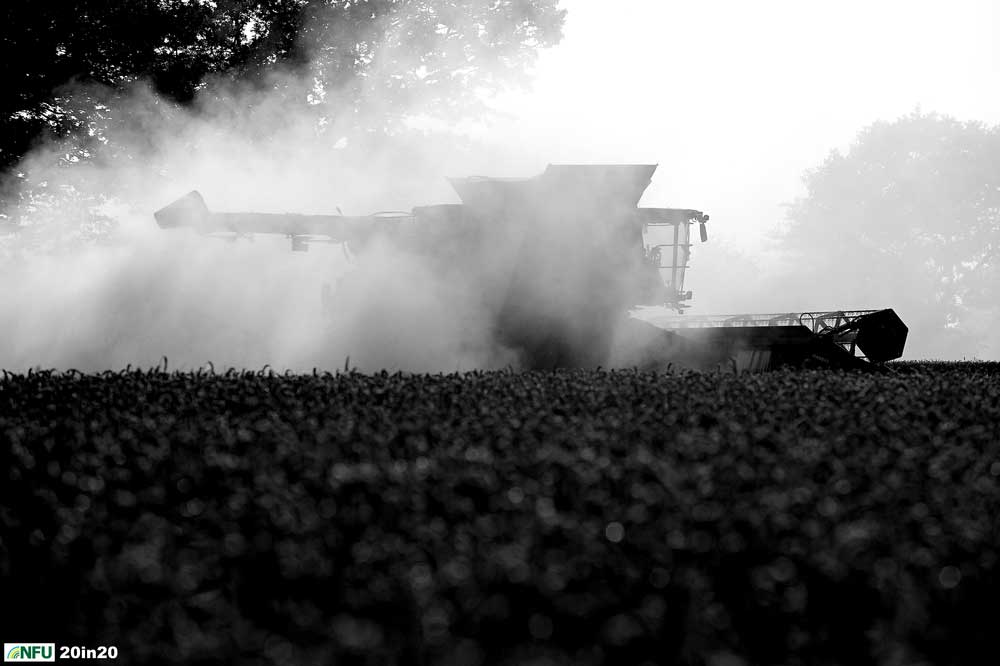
560 259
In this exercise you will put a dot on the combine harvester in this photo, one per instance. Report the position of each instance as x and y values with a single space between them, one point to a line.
561 259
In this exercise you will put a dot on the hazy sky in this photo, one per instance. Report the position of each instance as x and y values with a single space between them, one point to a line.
736 99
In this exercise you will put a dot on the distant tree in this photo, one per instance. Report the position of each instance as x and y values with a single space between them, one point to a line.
448 51
71 71
908 217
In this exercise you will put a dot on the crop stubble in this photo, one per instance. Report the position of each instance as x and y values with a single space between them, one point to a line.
496 517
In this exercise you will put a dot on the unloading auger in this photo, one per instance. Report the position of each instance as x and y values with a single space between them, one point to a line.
560 259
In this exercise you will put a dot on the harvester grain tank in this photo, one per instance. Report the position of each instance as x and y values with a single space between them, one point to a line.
560 259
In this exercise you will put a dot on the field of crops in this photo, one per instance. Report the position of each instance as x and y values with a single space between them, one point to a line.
807 517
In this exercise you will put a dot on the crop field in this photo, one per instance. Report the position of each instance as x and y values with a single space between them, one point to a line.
793 517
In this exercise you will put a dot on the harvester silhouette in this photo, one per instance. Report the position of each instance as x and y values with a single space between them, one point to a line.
559 260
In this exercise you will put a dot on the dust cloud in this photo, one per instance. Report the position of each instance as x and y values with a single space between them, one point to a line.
140 294
146 293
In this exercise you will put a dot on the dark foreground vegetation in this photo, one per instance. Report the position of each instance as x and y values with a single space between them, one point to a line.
496 518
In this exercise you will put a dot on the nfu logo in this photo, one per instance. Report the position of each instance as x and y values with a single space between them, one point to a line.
29 651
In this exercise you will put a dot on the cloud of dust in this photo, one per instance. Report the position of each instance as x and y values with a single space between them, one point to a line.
143 293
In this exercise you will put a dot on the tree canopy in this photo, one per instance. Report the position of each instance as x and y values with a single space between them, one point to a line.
908 217
444 50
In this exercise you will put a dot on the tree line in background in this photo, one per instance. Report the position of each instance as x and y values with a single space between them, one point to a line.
909 217
64 65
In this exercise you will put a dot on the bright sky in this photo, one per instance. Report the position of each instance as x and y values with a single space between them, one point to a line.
736 99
